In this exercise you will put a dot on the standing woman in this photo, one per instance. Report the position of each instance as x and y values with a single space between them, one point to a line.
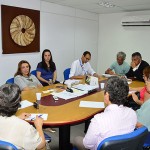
46 70
24 79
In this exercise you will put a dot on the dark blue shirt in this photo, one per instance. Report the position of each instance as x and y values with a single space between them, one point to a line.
46 74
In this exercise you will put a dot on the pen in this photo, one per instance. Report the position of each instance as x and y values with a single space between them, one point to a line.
35 117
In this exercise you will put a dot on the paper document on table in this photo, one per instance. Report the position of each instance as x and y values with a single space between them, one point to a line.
71 82
91 104
84 87
47 91
130 92
79 92
25 103
107 75
33 116
65 95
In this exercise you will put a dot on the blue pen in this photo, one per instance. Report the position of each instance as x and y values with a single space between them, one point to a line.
35 117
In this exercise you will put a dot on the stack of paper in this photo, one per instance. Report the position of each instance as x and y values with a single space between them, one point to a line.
64 95
71 82
68 95
107 75
84 87
79 92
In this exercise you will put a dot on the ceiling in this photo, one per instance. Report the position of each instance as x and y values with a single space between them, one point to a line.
93 5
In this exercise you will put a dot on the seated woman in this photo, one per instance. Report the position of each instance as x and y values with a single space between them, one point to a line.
46 70
142 113
142 90
24 79
15 129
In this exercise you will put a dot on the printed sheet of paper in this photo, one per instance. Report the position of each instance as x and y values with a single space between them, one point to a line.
64 95
25 103
130 92
107 75
33 116
72 81
91 104
84 87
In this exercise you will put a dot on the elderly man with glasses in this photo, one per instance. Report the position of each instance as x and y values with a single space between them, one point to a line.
137 67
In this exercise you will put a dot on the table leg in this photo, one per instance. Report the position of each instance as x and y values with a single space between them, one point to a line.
64 138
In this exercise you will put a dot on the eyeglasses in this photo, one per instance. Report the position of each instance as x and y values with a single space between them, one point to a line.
87 58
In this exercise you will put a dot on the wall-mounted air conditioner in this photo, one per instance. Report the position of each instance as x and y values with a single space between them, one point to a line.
136 21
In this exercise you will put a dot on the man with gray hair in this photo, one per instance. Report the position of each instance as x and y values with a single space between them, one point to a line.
119 67
15 129
137 67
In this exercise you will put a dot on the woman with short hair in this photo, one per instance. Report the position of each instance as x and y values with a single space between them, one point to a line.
15 129
142 90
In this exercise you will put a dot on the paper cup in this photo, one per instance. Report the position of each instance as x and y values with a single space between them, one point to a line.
129 81
69 85
50 81
102 85
38 96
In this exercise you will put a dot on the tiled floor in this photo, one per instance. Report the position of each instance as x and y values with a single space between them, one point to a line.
76 130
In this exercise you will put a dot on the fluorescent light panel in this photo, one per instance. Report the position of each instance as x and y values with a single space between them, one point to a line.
106 4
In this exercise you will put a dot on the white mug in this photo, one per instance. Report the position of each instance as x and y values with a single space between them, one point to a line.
38 96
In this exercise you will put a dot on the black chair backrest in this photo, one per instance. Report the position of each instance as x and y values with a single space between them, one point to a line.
131 141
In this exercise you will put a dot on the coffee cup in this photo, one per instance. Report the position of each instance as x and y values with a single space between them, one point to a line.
38 96
102 85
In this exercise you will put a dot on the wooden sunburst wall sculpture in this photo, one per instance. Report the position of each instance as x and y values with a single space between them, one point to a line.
20 30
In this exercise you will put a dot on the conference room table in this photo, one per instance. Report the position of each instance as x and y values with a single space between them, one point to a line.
64 113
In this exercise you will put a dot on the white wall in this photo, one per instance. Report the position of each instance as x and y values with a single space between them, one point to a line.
9 62
114 38
67 32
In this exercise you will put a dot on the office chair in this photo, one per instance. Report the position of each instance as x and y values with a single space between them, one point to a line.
11 80
33 72
130 141
47 137
7 146
66 73
74 148
147 142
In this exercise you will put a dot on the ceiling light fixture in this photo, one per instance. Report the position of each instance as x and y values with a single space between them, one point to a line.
106 4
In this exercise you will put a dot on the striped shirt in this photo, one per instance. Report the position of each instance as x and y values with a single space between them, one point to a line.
115 120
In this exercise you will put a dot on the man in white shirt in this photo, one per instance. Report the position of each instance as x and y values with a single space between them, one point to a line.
81 67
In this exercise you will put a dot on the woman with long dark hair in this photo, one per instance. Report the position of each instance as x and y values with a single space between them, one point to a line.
46 69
